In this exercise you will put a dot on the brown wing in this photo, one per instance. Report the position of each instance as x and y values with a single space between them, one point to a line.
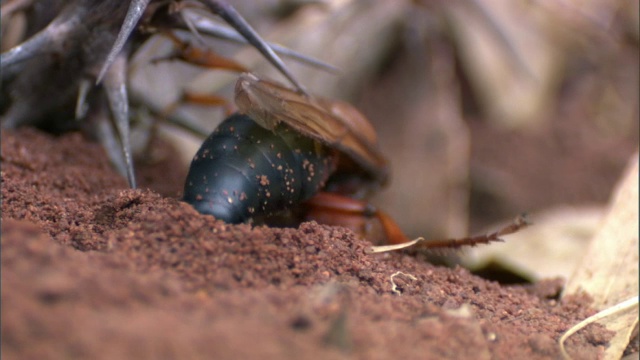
335 123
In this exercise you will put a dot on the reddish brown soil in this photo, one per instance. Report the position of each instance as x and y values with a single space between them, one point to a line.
91 269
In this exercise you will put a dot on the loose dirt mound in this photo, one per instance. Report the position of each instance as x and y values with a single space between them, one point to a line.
93 270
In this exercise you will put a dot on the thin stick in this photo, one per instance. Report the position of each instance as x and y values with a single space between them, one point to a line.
517 224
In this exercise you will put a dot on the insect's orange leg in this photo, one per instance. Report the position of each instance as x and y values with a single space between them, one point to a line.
200 99
204 58
335 209
199 56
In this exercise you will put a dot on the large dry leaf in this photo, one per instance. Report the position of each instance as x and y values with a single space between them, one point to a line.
551 248
609 269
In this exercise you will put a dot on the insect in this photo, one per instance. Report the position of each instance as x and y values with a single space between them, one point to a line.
285 150
74 62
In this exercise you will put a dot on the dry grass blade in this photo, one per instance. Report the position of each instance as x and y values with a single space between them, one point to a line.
624 307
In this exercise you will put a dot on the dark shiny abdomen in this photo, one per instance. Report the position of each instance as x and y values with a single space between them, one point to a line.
243 170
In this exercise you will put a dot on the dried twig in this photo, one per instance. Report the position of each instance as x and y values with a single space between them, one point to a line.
420 243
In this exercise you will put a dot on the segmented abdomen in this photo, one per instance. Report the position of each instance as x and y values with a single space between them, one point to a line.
243 170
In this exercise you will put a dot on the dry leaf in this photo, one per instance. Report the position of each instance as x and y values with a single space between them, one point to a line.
609 269
552 247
